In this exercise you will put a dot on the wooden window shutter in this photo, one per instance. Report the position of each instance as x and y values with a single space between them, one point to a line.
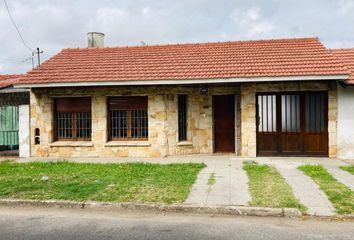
127 103
73 104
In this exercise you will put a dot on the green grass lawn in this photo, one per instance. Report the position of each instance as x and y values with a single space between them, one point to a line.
130 182
269 189
348 169
340 195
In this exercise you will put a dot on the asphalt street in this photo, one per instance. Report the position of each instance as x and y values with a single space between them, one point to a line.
38 223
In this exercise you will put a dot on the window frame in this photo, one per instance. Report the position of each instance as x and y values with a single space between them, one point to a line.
74 118
182 100
129 121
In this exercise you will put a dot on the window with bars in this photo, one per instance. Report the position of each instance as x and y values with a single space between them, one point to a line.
72 118
182 117
128 118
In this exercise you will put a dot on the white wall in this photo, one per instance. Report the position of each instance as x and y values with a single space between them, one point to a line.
24 130
345 123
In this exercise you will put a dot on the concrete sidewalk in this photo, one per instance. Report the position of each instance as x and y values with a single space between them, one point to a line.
230 187
195 158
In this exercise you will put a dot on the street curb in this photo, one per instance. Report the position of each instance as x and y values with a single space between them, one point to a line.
192 209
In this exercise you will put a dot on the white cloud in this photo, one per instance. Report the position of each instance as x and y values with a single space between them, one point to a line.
346 6
107 16
145 10
253 14
251 22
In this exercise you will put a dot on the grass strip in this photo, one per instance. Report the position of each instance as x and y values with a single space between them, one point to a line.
339 194
269 189
349 169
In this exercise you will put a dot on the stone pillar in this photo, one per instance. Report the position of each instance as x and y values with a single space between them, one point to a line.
24 130
332 122
248 120
99 120
157 126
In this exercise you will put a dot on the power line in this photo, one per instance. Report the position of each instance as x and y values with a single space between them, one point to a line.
18 31
10 60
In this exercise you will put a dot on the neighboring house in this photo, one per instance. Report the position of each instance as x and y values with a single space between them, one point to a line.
250 98
345 123
14 115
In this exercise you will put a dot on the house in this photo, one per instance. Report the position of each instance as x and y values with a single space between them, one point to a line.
14 116
345 124
249 98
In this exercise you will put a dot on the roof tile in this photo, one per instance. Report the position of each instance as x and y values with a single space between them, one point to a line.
8 80
262 58
346 56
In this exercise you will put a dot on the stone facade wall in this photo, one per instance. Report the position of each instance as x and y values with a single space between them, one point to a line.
162 120
248 110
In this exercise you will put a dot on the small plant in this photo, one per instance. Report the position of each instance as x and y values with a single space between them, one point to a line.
250 162
211 180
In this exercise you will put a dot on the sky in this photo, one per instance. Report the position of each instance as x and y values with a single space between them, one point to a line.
53 25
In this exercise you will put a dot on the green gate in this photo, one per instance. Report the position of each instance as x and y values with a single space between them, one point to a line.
8 125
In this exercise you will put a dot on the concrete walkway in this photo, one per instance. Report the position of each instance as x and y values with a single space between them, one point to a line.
230 187
304 188
306 191
342 176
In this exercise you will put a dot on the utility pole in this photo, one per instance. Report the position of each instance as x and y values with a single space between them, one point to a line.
32 59
38 55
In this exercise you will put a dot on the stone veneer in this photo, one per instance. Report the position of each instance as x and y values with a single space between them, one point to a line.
162 119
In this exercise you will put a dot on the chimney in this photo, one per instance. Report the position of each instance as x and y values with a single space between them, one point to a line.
95 39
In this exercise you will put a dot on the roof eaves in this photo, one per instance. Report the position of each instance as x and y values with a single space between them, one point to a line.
182 82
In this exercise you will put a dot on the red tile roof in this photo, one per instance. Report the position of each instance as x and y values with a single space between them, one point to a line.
346 55
8 80
246 59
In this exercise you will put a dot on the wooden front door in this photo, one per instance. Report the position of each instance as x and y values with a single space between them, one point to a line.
224 123
293 123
